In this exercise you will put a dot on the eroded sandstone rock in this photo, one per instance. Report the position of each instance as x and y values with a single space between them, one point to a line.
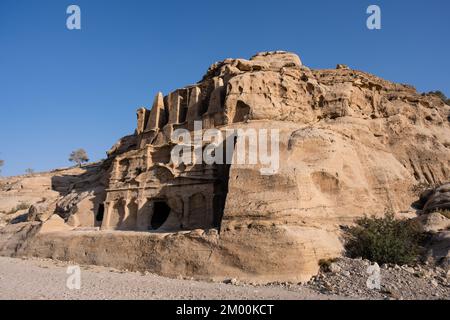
435 199
350 144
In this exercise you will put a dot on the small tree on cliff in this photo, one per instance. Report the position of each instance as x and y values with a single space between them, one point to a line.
441 95
79 156
1 165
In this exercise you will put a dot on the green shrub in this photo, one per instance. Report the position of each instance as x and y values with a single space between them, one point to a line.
384 240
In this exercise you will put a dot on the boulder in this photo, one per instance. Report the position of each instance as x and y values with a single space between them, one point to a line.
434 222
436 199
41 211
54 224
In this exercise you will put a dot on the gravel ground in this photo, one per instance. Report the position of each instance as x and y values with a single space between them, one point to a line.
343 279
348 277
46 279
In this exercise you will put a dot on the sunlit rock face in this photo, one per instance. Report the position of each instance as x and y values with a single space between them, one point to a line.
350 144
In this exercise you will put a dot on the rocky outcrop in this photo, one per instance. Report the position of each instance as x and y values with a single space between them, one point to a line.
350 144
435 222
15 237
348 277
41 211
435 199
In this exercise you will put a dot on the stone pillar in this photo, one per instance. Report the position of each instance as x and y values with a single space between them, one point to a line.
145 213
148 158
215 101
139 220
142 117
156 118
174 100
126 212
194 97
109 206
115 170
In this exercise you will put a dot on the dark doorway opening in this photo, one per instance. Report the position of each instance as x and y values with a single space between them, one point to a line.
221 184
100 212
160 214
242 112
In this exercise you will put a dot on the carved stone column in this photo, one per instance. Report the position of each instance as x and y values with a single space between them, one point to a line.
116 170
107 216
174 101
126 213
141 224
145 213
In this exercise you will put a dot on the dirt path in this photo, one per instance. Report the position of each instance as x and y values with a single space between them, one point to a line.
46 279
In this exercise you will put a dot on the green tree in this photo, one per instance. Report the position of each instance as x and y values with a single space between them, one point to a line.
79 156
1 165
29 171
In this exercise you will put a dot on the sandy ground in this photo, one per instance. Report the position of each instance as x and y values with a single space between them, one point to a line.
46 279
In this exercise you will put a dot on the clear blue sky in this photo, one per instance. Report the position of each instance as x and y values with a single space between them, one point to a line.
61 89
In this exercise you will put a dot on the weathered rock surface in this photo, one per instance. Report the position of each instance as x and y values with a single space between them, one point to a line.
14 237
350 276
435 199
41 211
439 249
350 144
54 224
435 222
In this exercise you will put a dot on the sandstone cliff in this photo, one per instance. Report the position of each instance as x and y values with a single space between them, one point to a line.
350 144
